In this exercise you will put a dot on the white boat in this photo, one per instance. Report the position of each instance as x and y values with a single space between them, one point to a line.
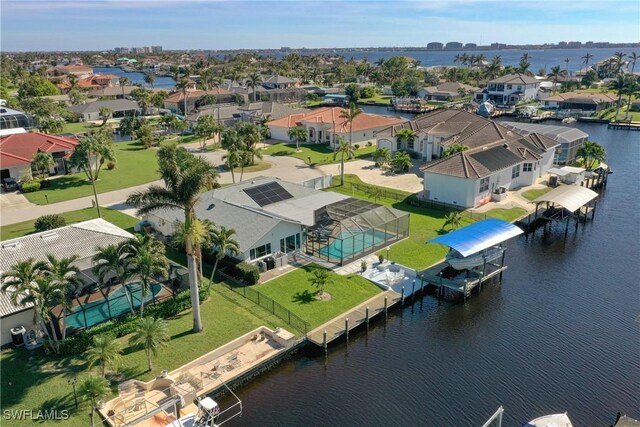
457 261
208 411
553 420
568 120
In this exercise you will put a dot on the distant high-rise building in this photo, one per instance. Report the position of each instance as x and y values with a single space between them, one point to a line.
562 44
498 45
589 43
470 46
435 46
453 45
574 44
156 49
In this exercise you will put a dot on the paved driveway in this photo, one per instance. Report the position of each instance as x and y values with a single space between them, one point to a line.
368 173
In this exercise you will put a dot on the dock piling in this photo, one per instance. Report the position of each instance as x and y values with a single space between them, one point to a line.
385 306
324 342
346 327
402 296
413 291
367 316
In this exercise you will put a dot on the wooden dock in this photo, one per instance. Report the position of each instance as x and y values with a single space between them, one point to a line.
466 285
342 324
624 125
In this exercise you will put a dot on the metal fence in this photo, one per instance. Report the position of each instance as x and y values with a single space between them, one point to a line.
269 304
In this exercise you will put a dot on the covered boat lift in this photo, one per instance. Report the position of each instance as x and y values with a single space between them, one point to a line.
474 248
564 203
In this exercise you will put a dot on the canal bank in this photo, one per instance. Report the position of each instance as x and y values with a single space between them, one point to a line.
557 335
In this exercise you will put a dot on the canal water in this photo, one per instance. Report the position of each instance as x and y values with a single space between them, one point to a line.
561 333
161 82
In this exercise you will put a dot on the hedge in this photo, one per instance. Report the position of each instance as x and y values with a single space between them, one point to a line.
78 343
30 187
49 222
248 274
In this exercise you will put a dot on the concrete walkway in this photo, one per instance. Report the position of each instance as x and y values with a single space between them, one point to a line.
368 173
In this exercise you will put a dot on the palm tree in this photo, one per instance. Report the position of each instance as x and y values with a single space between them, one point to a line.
454 149
105 114
62 272
633 88
587 57
104 352
42 162
89 156
222 242
618 61
591 154
123 81
407 136
349 116
112 260
94 389
556 72
453 219
150 78
344 149
254 82
150 334
620 86
182 85
382 156
320 278
185 177
566 61
20 282
633 57
148 260
298 134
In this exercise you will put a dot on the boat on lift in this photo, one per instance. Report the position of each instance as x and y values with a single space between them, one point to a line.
457 261
553 420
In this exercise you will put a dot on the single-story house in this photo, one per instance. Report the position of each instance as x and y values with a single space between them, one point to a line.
590 102
324 125
569 138
79 239
447 91
119 108
111 92
175 101
17 151
271 110
76 69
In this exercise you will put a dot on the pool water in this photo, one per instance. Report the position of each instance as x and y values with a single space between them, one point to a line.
349 244
114 306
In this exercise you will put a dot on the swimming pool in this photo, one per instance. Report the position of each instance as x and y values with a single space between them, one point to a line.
349 244
114 306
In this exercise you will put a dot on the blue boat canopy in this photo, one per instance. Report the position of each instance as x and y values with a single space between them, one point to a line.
478 236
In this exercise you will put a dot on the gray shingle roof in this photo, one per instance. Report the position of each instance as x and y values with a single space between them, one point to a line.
515 79
555 132
80 239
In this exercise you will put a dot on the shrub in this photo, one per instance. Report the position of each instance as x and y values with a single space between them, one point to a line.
369 143
45 183
111 166
49 222
30 187
368 92
356 146
248 274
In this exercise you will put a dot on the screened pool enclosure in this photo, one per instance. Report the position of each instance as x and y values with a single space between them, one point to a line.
352 228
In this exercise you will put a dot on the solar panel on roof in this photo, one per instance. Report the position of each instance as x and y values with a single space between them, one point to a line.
269 193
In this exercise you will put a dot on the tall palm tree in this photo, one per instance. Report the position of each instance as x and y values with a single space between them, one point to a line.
150 78
123 81
104 352
222 242
633 89
345 149
406 136
586 58
620 86
113 261
254 82
20 282
94 389
185 176
555 74
591 154
298 134
618 61
566 61
633 57
150 334
182 85
349 116
147 261
63 273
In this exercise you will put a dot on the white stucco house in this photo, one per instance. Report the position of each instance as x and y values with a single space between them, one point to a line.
324 125
509 90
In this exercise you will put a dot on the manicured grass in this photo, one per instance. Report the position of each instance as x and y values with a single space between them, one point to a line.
259 165
320 154
424 224
80 127
118 218
294 291
135 165
377 98
535 193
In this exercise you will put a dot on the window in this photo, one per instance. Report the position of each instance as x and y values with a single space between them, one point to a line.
519 87
410 145
508 87
515 171
484 184
290 243
399 145
527 167
260 251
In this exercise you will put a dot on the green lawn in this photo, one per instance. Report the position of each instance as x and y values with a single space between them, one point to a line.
135 165
535 193
377 98
258 166
424 224
118 218
294 291
320 154
80 127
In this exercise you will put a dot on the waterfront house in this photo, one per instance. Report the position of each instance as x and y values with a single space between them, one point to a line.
448 91
64 70
584 104
17 151
91 111
79 239
324 125
569 138
195 99
279 82
509 90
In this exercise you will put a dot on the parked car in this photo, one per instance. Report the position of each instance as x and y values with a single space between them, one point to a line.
9 184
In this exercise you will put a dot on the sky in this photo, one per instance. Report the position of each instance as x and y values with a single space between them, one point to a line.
27 25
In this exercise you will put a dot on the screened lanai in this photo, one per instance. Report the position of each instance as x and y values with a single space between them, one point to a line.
352 228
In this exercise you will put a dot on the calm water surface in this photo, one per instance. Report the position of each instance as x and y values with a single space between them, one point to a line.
561 333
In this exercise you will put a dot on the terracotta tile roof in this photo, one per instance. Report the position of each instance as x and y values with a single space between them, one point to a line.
331 116
195 94
19 149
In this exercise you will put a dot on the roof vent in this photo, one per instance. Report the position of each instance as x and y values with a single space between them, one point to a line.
509 132
505 145
10 245
49 236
